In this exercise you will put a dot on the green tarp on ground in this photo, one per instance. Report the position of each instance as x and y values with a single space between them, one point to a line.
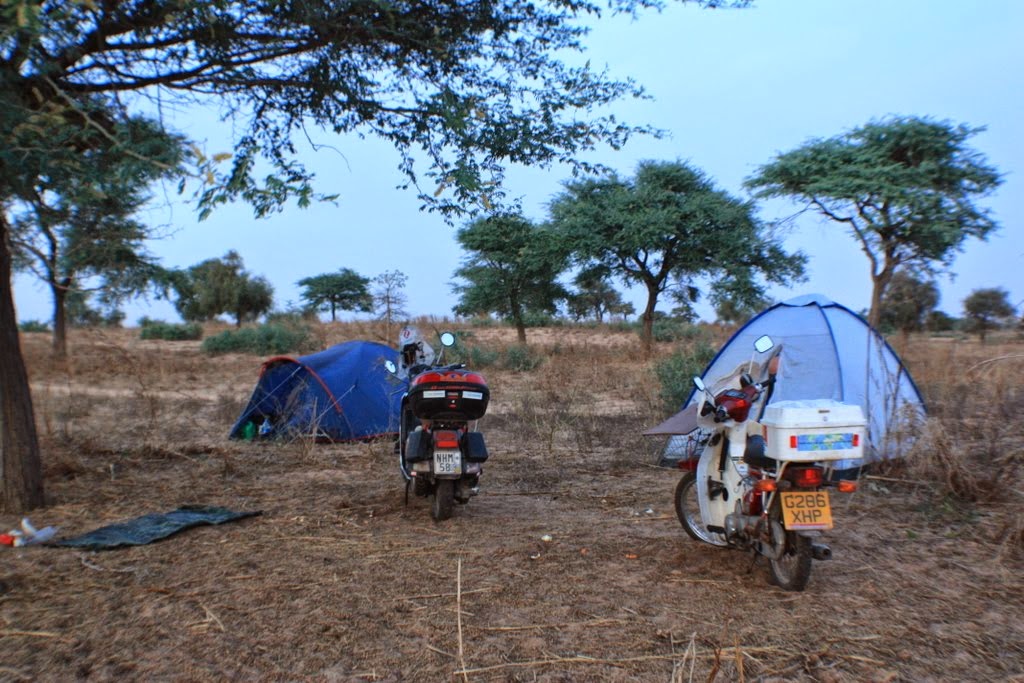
152 527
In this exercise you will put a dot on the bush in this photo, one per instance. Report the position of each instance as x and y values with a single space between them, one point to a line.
674 329
33 326
676 372
263 340
521 359
155 329
541 319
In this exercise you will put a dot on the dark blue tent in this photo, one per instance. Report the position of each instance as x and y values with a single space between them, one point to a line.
341 394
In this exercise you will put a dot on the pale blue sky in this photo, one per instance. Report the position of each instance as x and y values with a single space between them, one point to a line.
733 88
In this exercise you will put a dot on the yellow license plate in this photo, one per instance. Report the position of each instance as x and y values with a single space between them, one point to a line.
806 510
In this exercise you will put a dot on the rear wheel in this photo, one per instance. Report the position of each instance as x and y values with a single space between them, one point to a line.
688 511
792 569
444 500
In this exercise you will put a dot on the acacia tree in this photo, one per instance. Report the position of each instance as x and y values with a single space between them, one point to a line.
389 300
511 268
668 229
907 302
595 296
460 89
985 307
221 286
75 228
904 187
346 289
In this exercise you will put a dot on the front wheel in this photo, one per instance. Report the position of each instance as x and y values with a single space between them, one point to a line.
444 500
688 511
792 569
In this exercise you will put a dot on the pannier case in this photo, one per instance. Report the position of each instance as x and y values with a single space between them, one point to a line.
814 430
449 395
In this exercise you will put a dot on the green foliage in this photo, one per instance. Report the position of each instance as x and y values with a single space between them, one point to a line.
595 297
905 188
907 303
673 329
521 358
511 269
33 326
156 329
346 290
675 373
263 340
940 321
987 309
221 286
667 229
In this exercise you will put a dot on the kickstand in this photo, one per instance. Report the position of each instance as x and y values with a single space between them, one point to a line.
408 483
753 561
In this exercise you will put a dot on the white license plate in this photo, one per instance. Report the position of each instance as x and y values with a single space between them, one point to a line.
447 462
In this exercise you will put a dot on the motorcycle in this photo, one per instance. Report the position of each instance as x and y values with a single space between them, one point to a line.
440 453
763 484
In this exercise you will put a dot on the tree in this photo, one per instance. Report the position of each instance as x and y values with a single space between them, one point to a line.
462 88
907 303
346 289
221 286
985 308
594 297
389 300
77 223
667 229
512 268
904 187
733 312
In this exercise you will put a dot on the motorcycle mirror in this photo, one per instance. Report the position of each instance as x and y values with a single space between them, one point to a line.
763 343
699 383
390 366
447 339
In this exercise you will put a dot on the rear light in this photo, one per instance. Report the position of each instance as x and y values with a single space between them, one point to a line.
792 441
765 485
805 477
846 486
446 439
856 440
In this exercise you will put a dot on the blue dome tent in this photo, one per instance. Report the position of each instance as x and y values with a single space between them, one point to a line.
828 352
343 393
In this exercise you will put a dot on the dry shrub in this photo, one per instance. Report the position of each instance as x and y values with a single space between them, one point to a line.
938 458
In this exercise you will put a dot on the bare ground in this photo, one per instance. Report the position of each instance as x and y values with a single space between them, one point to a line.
340 580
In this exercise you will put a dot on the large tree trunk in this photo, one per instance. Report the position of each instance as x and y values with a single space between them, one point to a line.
60 319
21 488
648 318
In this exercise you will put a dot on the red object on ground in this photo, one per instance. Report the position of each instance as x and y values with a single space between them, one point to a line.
6 539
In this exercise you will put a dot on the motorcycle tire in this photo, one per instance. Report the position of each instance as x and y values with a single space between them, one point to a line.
444 500
688 511
421 487
792 570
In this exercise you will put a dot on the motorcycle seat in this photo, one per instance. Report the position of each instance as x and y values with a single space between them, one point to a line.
754 454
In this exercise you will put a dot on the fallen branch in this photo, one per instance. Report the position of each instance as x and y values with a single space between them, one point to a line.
537 627
30 634
443 595
580 659
458 615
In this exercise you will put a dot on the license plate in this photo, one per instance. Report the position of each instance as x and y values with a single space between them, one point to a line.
806 510
447 462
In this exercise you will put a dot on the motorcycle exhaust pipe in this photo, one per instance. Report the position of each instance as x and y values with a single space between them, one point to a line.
820 551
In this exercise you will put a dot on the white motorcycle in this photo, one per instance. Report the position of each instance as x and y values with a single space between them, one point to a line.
762 485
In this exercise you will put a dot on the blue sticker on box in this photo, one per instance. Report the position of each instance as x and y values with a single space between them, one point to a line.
824 442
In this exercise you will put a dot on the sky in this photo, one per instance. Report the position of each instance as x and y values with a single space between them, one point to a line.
732 88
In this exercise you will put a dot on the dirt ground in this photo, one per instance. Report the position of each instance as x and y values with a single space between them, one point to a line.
339 580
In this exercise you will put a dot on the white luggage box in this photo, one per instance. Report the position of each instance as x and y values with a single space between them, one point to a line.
813 431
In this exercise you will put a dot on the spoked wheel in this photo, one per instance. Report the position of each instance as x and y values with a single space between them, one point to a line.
792 569
444 500
688 511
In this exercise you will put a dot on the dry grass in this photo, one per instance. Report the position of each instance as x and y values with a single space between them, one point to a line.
338 580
